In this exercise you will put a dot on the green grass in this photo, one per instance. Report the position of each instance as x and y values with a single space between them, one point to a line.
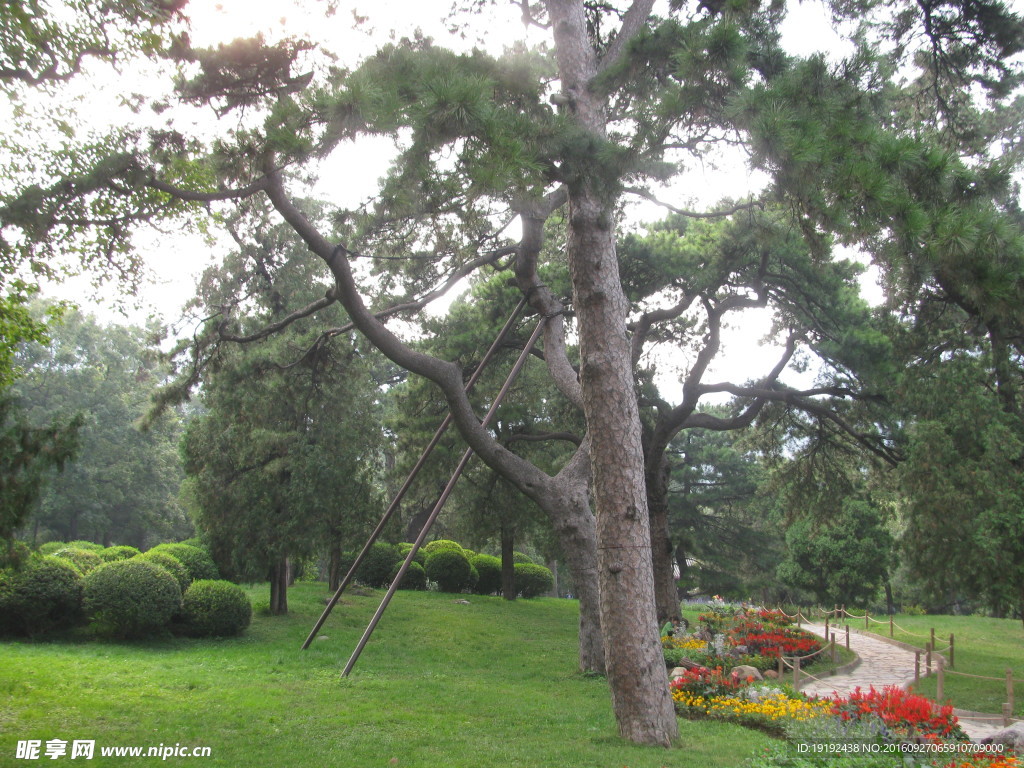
440 684
984 646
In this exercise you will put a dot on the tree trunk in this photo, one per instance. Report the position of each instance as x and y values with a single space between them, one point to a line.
666 593
634 663
334 567
279 588
508 572
553 567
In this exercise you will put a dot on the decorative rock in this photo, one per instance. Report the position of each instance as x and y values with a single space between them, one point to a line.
462 602
745 671
771 674
1012 737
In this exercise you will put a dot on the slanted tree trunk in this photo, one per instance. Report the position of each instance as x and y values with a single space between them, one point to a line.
279 575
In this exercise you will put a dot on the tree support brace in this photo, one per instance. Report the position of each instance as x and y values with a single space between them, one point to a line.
441 501
389 512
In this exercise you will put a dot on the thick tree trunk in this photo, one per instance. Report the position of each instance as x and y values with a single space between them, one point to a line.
666 594
508 571
634 663
334 567
279 588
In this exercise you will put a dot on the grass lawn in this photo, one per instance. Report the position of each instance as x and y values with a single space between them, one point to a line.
440 684
984 646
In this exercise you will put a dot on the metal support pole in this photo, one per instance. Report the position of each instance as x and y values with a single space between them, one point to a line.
441 502
390 511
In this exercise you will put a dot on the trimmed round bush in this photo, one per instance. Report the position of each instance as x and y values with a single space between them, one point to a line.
131 598
52 547
488 567
450 569
533 580
438 544
197 562
118 552
403 550
415 577
376 568
519 557
84 560
172 564
43 595
215 608
89 546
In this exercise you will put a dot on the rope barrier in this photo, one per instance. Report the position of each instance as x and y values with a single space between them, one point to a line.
976 677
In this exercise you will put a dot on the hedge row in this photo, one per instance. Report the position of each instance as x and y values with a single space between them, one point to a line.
121 593
451 567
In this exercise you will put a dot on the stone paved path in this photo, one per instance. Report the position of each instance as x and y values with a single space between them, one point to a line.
881 664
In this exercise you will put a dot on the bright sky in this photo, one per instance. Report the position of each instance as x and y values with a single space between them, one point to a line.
175 269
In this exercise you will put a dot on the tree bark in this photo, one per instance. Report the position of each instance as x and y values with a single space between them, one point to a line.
666 593
634 663
279 588
508 572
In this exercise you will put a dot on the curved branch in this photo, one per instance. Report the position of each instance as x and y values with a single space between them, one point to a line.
693 214
634 20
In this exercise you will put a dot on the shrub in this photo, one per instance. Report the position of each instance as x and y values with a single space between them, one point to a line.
489 569
84 560
197 562
172 564
533 580
376 568
214 608
438 544
403 550
415 577
52 547
519 557
119 552
89 546
43 595
449 568
131 598
14 554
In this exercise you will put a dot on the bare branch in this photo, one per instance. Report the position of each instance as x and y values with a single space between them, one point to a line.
694 214
634 20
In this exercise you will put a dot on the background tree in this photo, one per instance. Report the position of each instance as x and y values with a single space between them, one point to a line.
283 459
123 485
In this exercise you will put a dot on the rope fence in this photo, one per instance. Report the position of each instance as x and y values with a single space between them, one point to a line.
943 664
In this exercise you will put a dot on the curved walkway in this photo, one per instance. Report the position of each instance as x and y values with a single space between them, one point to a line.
881 664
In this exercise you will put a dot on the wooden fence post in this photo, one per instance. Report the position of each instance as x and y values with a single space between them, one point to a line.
867 618
952 650
796 673
933 638
917 667
940 682
891 630
1007 714
833 651
1009 689
847 637
928 657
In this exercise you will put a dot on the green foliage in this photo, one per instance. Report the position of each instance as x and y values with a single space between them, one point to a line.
197 562
843 560
519 557
213 608
119 552
83 560
123 484
488 568
27 456
376 569
449 569
403 550
44 594
88 546
533 580
438 545
130 598
415 576
170 563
